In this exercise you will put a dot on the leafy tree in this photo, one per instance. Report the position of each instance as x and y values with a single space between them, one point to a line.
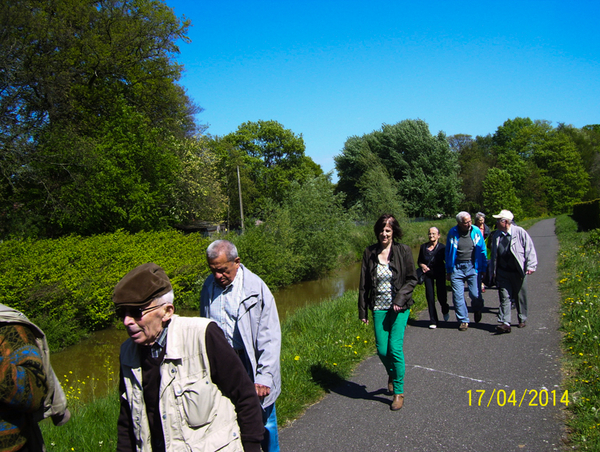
587 142
269 157
198 190
379 194
475 157
68 70
423 166
121 178
562 171
499 193
300 238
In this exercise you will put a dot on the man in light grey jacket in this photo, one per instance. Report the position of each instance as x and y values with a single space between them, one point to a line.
512 258
243 306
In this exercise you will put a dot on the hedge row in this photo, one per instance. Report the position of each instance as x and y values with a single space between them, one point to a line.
587 214
65 285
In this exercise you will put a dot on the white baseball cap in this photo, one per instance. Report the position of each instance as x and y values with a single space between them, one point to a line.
505 215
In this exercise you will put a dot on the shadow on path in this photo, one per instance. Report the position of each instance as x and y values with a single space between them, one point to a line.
331 382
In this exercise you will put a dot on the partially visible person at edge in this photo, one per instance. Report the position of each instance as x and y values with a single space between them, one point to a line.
29 389
512 258
432 261
243 306
480 223
182 386
387 281
466 261
485 230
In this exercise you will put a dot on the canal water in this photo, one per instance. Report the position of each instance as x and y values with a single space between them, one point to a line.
90 368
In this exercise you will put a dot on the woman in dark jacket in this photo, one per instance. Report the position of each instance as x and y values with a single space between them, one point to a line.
433 263
387 280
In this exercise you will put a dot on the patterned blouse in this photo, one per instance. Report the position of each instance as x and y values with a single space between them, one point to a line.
383 295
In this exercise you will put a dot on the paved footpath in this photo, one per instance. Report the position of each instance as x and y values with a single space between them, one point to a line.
442 366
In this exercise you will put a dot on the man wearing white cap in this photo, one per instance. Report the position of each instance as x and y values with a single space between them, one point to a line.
512 258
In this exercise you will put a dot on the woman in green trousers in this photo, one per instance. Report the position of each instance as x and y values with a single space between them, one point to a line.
387 280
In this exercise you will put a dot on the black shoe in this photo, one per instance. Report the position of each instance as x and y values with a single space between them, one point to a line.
477 316
503 328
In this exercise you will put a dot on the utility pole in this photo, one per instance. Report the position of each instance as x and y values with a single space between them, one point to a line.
240 193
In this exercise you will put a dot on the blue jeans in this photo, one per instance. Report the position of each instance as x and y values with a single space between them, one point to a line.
465 271
270 442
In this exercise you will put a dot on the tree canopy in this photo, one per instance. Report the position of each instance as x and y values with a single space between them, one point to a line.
269 158
89 111
420 166
549 168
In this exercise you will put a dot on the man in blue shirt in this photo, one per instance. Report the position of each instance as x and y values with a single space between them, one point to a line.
466 257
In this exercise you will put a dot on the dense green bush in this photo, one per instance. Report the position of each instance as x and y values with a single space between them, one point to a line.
587 214
65 285
302 238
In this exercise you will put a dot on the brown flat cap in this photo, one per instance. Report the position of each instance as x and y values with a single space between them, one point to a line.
141 285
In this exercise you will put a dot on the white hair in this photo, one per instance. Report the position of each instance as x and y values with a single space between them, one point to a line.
167 298
221 246
462 215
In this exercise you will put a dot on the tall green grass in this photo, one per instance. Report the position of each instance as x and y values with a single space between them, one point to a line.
579 283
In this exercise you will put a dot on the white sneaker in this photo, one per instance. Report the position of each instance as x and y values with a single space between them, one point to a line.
446 317
433 326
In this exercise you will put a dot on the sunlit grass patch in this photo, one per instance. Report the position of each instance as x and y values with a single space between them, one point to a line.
579 284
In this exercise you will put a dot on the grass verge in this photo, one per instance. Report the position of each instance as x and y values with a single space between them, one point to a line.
579 283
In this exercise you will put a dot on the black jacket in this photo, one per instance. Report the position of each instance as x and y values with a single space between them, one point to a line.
437 265
404 277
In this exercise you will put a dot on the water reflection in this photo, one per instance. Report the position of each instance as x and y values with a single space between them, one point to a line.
306 293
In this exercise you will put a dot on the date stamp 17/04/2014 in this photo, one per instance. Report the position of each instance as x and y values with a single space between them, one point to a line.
529 397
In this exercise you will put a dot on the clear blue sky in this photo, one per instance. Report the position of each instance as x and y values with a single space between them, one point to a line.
333 69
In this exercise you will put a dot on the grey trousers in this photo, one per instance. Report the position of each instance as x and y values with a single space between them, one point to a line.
511 286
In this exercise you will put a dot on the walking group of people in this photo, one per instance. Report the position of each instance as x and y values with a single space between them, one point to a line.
388 278
211 382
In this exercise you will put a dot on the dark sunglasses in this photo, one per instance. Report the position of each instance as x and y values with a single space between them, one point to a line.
133 312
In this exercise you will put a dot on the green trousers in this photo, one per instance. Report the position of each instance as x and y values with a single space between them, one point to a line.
389 339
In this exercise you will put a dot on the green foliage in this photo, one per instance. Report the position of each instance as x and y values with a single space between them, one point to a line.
301 238
65 285
267 249
562 172
499 193
549 168
423 168
198 193
269 158
92 427
475 158
579 284
593 240
91 109
121 178
587 142
587 214
379 194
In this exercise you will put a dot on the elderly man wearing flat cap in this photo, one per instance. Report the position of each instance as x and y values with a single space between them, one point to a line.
182 386
512 258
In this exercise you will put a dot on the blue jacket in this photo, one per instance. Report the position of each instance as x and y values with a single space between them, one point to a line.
479 254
